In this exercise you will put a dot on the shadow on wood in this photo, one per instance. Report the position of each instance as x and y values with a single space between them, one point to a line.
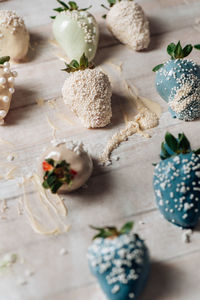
161 281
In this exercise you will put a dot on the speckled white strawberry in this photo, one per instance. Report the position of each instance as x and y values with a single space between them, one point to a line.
76 30
128 23
177 182
87 91
120 261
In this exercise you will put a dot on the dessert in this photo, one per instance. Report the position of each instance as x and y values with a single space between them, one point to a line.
88 93
120 261
128 23
178 82
7 78
65 167
177 181
14 37
75 30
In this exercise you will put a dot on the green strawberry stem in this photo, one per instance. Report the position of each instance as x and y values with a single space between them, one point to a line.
173 146
4 59
57 174
111 4
70 6
76 66
111 231
177 52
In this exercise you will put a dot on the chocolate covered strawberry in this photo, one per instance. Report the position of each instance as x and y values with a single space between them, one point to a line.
128 23
177 181
76 30
119 260
87 91
178 82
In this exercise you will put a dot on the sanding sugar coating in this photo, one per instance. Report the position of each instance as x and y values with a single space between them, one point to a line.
7 78
128 23
178 83
88 94
121 265
14 37
75 154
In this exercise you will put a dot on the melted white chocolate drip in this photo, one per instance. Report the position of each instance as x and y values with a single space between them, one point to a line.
146 118
46 212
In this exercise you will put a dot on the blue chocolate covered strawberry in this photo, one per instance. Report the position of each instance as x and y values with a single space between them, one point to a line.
120 261
177 181
178 82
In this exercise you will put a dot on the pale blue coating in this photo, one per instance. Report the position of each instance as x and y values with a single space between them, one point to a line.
177 189
171 77
133 287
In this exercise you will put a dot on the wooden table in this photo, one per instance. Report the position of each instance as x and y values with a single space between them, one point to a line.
115 194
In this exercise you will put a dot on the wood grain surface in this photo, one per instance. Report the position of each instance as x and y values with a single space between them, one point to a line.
115 194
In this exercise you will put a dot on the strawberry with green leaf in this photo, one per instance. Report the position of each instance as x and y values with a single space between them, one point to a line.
57 174
128 23
119 260
177 181
178 82
75 30
87 91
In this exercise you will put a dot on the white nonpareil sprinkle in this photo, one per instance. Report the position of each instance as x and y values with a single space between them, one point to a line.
131 295
5 99
63 251
2 113
2 80
115 289
186 236
9 18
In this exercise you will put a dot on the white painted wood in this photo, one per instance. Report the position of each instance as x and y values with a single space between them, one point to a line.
116 193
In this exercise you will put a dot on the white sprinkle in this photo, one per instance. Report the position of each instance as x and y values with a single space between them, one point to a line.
10 157
11 90
6 64
2 113
5 99
115 289
29 273
186 235
131 295
63 251
6 70
14 73
2 80
11 79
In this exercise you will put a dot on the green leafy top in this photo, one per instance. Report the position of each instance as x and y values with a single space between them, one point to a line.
174 146
4 59
177 52
70 7
110 231
57 174
111 4
76 66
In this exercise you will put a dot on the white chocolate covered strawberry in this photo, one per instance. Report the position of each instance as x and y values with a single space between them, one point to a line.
6 87
88 93
14 37
75 30
128 23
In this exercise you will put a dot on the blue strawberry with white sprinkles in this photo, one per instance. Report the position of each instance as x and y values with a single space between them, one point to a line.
178 82
120 261
177 181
